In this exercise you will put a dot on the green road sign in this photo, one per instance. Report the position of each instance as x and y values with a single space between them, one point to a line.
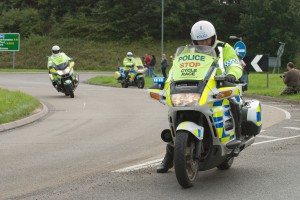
9 42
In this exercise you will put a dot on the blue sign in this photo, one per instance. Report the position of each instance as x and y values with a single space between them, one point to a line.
240 48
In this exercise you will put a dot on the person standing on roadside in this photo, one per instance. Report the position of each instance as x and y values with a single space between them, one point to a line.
164 65
147 60
152 66
291 79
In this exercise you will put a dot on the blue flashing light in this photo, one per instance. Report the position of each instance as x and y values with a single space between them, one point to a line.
158 80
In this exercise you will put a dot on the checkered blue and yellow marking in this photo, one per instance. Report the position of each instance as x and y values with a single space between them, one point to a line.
258 115
221 112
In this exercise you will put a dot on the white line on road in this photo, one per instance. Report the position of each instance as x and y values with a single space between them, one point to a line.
294 128
156 162
267 136
139 166
275 140
287 114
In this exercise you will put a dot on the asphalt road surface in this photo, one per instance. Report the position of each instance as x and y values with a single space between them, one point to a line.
105 144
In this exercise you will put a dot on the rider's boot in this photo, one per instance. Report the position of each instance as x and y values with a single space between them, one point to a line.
237 115
54 83
167 162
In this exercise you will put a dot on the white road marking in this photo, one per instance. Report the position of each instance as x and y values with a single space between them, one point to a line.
83 106
294 128
284 105
287 114
156 162
275 140
267 136
139 166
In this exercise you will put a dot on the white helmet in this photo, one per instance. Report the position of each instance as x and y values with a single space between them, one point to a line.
55 49
129 55
203 30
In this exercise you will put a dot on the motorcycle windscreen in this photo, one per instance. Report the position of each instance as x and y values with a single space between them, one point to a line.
60 62
191 66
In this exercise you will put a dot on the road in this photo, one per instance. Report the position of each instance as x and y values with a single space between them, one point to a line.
79 149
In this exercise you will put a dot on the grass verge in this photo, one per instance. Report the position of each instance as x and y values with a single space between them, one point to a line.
259 84
268 85
111 81
15 105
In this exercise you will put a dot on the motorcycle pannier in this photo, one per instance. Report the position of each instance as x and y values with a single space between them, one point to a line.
251 118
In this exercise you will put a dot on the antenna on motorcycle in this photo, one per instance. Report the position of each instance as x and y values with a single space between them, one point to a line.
118 54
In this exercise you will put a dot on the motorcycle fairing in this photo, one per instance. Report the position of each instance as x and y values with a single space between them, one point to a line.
220 114
68 82
191 66
193 128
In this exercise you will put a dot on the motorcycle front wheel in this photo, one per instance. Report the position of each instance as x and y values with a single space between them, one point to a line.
141 83
185 162
124 84
72 94
69 91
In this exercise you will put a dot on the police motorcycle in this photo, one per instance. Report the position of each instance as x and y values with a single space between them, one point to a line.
135 75
62 74
203 128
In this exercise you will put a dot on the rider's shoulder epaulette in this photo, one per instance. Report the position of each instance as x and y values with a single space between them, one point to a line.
221 44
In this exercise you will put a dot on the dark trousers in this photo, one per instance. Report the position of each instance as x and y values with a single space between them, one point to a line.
163 70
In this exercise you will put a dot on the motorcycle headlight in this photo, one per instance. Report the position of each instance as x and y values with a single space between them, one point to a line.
185 99
59 72
67 70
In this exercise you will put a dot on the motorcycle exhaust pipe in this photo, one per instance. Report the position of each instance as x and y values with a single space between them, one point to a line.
166 135
249 142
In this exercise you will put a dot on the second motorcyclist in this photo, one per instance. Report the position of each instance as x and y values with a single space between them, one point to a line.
56 55
128 63
204 33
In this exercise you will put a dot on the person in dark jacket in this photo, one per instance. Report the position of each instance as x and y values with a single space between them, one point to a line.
152 65
291 79
164 65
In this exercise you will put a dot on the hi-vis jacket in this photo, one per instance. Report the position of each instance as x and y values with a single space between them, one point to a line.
127 63
57 58
230 60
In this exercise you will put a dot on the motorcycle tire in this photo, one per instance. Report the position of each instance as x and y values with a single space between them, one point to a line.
72 94
124 85
141 83
226 165
185 162
69 91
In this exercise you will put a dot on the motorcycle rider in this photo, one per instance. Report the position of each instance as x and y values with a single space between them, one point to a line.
204 33
56 54
128 62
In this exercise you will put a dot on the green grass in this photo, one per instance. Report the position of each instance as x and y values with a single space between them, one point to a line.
111 81
15 105
257 84
272 85
22 70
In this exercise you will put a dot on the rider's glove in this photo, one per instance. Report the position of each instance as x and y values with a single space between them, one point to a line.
230 78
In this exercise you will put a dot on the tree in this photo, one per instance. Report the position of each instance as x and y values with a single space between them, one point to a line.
265 23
